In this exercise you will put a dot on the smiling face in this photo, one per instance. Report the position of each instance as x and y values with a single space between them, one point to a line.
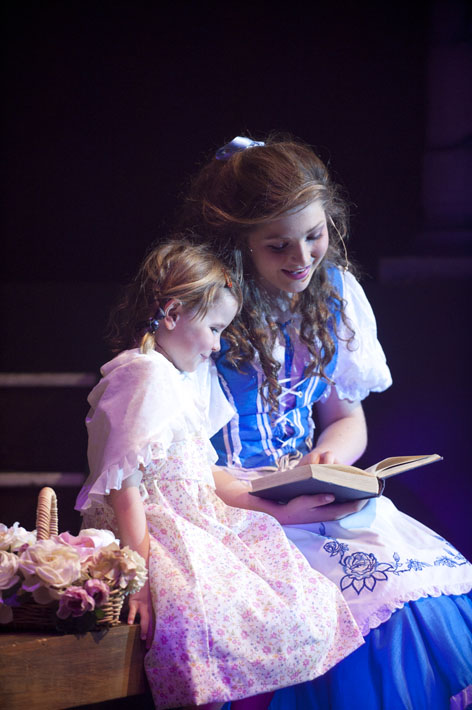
286 252
187 340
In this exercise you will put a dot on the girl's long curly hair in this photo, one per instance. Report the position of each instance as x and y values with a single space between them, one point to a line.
176 269
229 198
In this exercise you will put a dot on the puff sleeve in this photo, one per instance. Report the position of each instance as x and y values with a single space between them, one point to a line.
137 405
361 366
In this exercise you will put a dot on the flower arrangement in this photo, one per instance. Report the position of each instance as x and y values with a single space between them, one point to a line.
76 575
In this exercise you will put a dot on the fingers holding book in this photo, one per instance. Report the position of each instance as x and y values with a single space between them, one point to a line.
317 456
316 509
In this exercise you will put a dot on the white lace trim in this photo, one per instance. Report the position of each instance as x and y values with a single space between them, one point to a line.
384 612
112 478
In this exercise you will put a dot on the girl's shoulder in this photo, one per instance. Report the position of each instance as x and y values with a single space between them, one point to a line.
133 373
134 360
136 365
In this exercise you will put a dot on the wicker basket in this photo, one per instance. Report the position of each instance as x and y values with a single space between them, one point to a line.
31 615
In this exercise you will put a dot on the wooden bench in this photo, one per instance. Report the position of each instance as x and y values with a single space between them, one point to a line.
42 671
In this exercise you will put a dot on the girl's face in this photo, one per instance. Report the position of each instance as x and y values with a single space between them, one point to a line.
187 340
287 251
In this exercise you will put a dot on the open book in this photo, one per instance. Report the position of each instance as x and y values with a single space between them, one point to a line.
344 482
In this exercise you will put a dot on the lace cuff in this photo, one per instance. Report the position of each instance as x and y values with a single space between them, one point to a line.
123 474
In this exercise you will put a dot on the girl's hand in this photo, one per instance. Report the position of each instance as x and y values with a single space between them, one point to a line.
316 456
140 603
133 531
316 509
303 509
309 509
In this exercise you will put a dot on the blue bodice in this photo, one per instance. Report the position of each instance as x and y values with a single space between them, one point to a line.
255 437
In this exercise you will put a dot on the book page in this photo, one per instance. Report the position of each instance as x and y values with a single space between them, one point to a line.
398 464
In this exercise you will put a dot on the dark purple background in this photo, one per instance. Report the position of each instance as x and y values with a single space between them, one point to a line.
110 105
109 108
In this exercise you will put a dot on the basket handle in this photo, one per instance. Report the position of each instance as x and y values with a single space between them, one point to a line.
46 514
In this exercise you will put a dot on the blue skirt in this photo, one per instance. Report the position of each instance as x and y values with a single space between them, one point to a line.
417 660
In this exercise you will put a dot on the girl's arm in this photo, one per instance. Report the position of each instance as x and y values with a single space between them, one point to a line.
303 509
133 531
343 437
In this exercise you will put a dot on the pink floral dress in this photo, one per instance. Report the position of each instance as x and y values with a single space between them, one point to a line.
238 609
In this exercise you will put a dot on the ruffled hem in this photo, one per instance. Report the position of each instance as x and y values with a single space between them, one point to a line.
357 391
383 613
112 478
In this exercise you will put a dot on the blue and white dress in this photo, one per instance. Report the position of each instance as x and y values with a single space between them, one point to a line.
408 588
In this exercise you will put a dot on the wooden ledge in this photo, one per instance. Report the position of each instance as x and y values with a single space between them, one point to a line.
42 671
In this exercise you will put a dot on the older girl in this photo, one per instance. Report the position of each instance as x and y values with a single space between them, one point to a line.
306 336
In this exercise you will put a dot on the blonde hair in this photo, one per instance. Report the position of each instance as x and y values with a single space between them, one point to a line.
189 273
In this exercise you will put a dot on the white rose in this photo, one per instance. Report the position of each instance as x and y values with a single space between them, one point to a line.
48 564
8 569
101 538
13 538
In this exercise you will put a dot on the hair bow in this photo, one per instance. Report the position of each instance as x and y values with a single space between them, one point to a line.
152 324
235 146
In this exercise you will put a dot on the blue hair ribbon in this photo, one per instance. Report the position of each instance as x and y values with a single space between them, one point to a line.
236 146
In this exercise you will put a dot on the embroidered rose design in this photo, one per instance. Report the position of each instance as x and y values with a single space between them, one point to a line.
362 571
332 547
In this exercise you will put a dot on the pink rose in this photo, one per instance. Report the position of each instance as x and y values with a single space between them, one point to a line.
87 542
84 546
75 540
75 601
98 590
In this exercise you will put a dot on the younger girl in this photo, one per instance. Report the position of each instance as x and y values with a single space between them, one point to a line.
307 336
231 609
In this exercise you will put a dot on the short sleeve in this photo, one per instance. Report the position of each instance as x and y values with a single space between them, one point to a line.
136 405
361 366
